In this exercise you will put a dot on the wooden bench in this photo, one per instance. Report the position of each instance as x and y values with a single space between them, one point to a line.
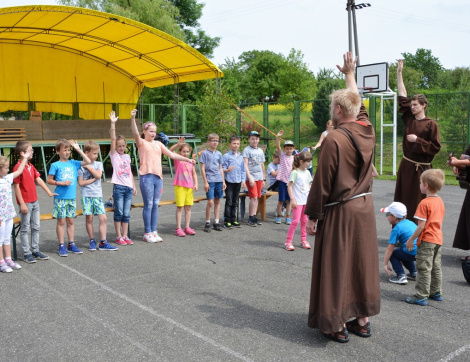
12 134
261 203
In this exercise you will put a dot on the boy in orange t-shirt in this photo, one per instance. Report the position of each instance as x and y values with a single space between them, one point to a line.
430 215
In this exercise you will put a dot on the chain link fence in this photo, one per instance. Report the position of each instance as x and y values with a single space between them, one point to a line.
450 110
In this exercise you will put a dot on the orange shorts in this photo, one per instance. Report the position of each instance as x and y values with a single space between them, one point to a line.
255 191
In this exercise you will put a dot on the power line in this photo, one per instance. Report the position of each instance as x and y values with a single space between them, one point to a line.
255 8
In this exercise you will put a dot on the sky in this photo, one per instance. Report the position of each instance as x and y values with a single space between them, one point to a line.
319 29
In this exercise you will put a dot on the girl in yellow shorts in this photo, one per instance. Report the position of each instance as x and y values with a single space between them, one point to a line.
185 182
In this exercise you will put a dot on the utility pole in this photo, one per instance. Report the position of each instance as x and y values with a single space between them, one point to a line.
352 26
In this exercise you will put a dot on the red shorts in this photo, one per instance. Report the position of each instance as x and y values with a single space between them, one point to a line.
255 191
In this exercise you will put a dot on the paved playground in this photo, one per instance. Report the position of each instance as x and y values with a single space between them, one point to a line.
223 296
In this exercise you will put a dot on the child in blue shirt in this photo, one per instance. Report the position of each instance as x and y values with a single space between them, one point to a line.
89 179
214 182
63 174
233 166
396 251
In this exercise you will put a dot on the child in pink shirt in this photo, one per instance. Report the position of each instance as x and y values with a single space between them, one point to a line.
123 184
184 183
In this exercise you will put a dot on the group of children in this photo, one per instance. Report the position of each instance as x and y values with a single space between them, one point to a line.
422 243
231 172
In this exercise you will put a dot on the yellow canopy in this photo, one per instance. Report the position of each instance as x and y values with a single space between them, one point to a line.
72 55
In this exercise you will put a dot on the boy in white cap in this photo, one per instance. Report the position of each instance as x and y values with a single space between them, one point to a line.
396 251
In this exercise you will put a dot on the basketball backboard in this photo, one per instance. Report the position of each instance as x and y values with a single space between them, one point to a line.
372 77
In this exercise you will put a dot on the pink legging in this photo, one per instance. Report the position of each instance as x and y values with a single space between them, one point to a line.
298 215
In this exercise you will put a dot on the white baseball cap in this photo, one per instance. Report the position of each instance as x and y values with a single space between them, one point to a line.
397 209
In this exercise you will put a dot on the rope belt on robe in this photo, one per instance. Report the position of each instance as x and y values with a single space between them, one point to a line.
417 164
352 198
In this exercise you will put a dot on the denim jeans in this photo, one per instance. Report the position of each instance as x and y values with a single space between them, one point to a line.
151 187
30 221
231 201
398 258
122 196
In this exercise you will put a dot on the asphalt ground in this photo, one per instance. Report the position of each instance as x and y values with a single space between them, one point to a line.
219 296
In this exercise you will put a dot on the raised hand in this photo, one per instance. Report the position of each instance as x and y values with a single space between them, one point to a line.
180 140
74 144
400 66
133 113
112 117
280 133
348 65
27 154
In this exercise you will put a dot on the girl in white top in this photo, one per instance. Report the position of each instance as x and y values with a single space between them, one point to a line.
329 127
7 211
123 184
298 188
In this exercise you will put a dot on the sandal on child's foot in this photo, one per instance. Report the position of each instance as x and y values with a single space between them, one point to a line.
340 337
361 331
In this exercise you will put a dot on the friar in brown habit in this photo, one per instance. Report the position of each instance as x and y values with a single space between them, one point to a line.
345 272
421 142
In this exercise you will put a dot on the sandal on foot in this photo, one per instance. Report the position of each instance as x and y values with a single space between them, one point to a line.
361 331
340 337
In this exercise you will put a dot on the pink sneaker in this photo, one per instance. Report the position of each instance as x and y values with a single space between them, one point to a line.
189 231
289 246
179 232
304 244
120 241
128 241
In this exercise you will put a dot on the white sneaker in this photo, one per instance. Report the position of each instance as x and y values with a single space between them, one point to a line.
13 265
155 236
148 238
4 268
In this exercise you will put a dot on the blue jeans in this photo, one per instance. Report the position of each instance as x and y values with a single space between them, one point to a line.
151 187
30 221
398 258
122 196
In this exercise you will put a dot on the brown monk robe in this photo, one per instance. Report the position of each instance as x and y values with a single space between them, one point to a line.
345 272
462 233
427 145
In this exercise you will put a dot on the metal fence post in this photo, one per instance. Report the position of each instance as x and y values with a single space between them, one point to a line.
239 122
183 120
266 124
152 112
297 124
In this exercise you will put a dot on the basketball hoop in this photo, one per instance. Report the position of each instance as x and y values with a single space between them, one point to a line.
363 90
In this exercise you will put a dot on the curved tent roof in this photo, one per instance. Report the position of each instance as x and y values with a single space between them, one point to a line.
65 54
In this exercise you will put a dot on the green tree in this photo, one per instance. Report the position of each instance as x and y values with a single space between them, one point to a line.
425 62
295 80
457 79
411 77
327 81
159 14
261 69
218 114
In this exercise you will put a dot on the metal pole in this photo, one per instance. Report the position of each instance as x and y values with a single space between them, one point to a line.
356 44
349 6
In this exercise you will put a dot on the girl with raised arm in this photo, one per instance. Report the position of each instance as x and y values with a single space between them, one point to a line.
150 180
123 184
7 211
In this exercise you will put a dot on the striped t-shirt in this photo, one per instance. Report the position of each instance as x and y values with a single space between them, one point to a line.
285 167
